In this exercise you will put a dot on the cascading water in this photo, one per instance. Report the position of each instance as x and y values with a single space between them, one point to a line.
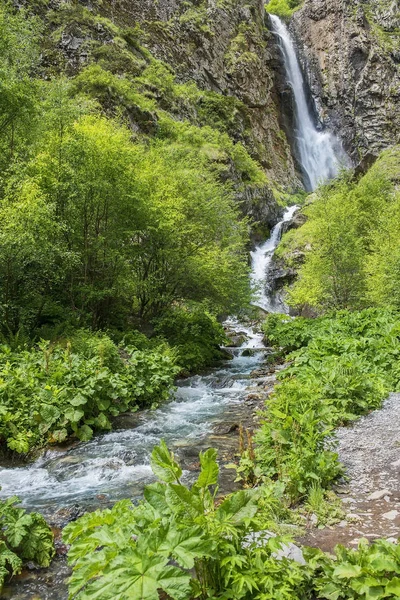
320 152
261 262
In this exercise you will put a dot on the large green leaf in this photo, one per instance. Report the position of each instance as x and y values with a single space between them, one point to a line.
133 576
186 545
393 587
347 571
183 501
209 468
237 507
164 465
155 496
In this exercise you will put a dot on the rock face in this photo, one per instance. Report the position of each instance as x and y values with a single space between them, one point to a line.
350 51
224 47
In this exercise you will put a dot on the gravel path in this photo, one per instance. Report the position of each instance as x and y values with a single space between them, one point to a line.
370 451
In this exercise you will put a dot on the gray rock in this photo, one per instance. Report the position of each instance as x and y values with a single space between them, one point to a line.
391 515
379 494
351 69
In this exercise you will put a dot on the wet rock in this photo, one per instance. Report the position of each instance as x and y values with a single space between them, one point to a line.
225 428
253 398
236 341
63 516
298 219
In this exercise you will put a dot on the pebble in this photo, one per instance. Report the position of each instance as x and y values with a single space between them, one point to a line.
391 515
379 494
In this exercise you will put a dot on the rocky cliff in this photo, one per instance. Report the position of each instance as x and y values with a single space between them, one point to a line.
351 53
208 62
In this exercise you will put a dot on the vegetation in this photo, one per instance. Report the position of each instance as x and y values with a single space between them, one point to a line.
283 8
51 392
182 541
342 366
23 537
350 242
113 216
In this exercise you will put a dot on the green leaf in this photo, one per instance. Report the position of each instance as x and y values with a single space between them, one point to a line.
133 576
85 433
164 465
186 545
78 400
393 587
209 469
347 571
238 507
74 415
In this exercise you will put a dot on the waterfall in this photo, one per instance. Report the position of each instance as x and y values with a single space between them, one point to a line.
320 153
261 260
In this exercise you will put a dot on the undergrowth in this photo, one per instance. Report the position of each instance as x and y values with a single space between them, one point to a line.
341 366
184 542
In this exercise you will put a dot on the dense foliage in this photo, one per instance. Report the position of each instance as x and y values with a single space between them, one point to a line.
185 542
341 366
51 392
283 8
104 224
113 215
350 240
23 537
195 335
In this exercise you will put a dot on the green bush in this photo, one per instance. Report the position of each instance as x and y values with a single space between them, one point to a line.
370 571
196 336
350 243
182 540
23 537
51 392
341 366
283 8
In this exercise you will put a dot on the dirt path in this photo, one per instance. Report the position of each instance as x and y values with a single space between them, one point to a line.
370 451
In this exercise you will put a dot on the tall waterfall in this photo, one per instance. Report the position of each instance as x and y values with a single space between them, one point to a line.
320 152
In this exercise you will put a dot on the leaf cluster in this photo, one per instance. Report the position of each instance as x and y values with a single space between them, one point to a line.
23 537
53 391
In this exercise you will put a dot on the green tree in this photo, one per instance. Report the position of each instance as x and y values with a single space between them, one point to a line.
333 275
19 54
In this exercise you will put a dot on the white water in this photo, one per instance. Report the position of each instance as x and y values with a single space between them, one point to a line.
261 260
117 465
320 152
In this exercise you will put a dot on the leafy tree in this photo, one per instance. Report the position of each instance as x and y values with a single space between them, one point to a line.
19 54
333 275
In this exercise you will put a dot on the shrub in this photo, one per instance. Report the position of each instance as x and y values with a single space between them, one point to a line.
342 366
51 392
195 334
23 537
283 8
